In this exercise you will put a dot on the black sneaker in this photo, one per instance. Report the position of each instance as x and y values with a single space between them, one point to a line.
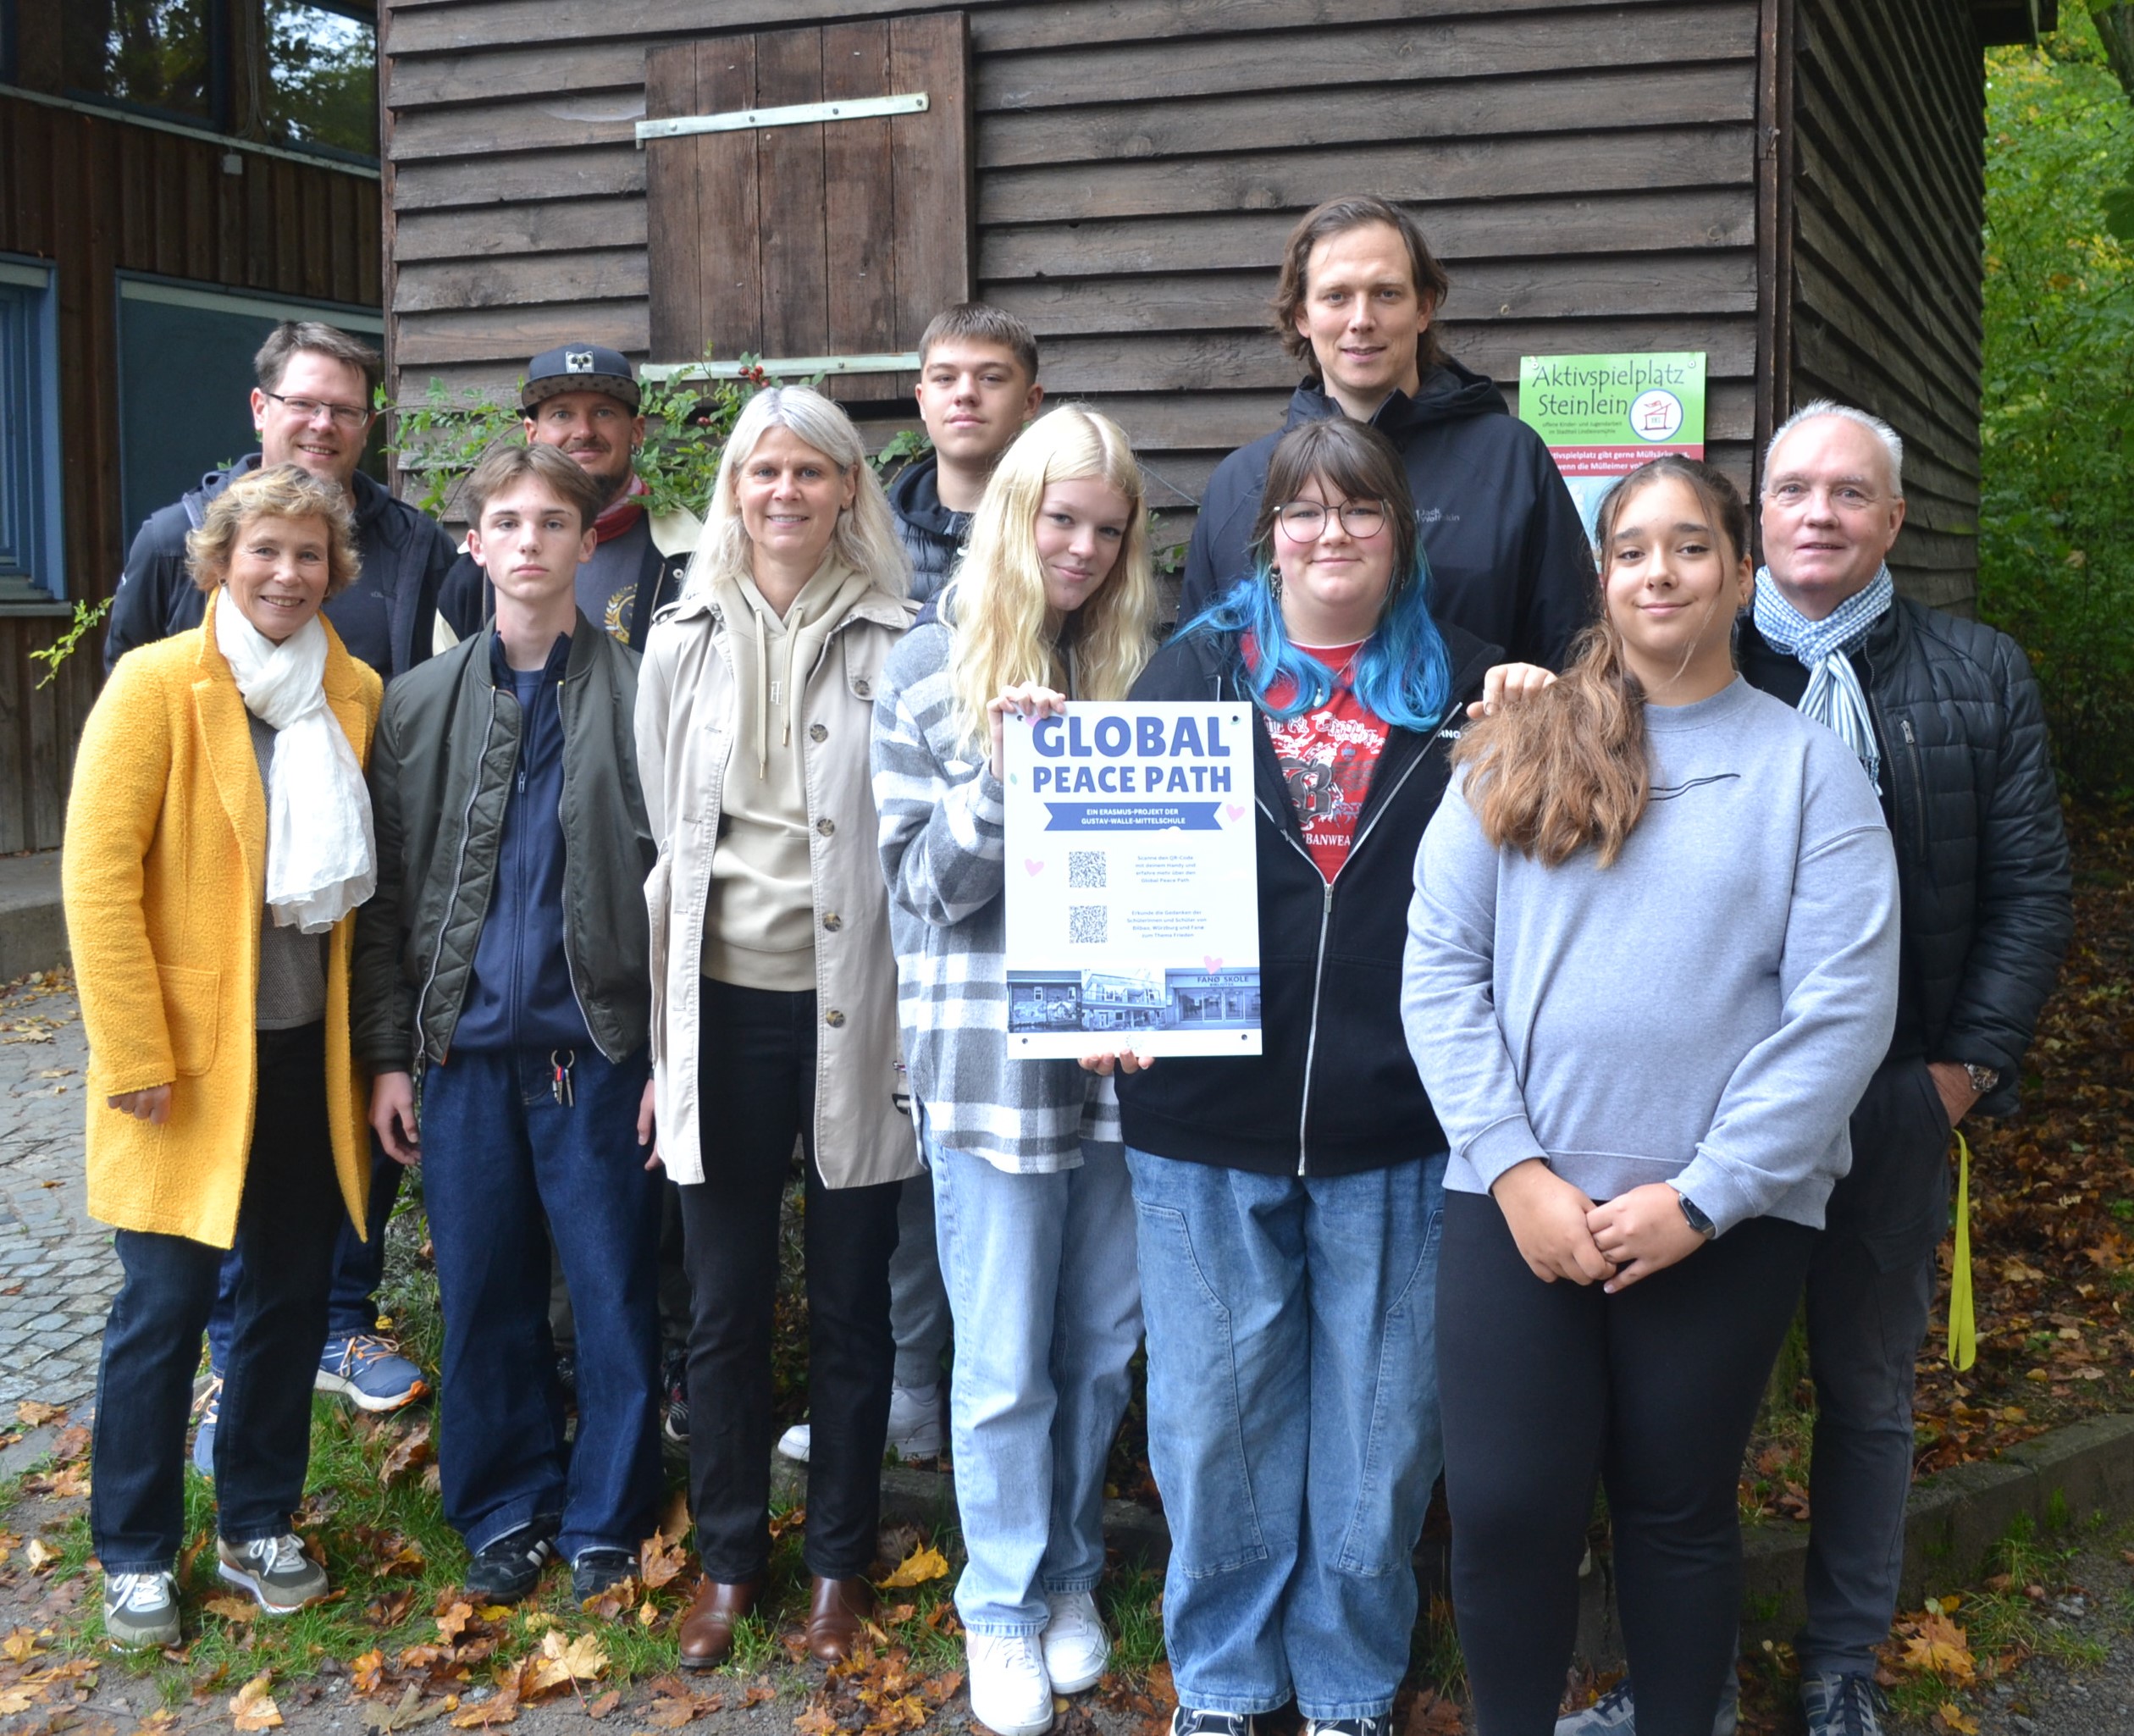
1348 1726
509 1569
595 1570
674 1410
1186 1721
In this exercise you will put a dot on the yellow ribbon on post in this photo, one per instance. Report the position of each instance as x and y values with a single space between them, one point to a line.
1963 1320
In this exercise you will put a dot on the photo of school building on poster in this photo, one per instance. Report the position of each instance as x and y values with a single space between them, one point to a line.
1116 1002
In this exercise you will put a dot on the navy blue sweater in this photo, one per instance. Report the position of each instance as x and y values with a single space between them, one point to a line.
521 995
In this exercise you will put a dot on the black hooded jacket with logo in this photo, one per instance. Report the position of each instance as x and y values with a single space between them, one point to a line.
1508 556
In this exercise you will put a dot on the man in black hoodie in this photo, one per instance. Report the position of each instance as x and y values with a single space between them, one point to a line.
977 390
1358 301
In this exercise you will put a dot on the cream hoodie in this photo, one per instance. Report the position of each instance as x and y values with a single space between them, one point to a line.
759 930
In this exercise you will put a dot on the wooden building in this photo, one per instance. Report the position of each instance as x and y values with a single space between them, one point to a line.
1792 186
148 240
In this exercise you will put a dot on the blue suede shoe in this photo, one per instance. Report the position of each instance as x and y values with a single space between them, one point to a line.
370 1372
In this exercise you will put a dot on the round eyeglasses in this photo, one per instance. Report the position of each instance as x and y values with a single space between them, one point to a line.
1305 521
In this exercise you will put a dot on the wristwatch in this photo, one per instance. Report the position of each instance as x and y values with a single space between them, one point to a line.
1983 1079
1703 1225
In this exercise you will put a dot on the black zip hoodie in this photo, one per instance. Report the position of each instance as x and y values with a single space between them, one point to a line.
1509 559
1333 1090
933 535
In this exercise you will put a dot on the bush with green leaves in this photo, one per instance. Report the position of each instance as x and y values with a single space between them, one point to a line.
2056 544
441 437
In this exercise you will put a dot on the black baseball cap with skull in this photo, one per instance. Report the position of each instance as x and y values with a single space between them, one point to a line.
579 367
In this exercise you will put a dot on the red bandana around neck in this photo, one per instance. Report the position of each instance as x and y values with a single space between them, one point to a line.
621 517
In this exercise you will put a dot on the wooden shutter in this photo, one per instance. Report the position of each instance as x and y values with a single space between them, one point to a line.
838 238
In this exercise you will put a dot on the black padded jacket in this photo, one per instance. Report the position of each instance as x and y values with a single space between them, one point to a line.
1974 810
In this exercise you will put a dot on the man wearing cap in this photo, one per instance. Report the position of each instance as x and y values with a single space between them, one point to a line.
583 399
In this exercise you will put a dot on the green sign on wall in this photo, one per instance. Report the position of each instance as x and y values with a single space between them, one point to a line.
1603 416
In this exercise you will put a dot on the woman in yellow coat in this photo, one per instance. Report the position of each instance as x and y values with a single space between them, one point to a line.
219 835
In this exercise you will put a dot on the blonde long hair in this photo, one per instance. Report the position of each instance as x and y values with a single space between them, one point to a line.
995 603
865 538
1568 766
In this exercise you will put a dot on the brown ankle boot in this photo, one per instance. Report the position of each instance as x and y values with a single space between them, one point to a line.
837 1615
707 1630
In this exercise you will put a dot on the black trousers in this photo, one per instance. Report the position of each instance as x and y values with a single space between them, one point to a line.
1871 1289
1543 1387
286 1222
755 1095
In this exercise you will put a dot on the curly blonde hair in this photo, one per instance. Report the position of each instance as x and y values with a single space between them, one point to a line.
283 491
995 601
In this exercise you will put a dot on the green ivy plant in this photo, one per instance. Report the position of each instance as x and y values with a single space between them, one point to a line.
86 617
441 438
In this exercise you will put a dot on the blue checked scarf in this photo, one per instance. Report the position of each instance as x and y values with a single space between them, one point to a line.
1823 647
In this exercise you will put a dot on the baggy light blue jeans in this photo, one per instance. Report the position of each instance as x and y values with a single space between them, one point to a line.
1041 1277
1292 1424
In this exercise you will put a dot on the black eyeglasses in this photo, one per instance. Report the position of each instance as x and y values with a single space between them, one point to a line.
310 410
1306 520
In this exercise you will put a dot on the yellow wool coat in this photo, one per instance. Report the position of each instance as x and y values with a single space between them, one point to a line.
165 875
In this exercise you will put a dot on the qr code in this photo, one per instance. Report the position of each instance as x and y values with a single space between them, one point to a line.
1085 925
1086 870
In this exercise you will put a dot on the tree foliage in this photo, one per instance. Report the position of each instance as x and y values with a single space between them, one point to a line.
2056 567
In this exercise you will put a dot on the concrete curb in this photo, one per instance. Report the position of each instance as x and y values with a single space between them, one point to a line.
1951 1525
33 923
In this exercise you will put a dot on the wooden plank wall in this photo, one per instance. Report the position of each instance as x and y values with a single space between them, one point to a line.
1587 167
1888 200
96 196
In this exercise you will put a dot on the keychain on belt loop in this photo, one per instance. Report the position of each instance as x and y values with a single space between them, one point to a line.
560 1075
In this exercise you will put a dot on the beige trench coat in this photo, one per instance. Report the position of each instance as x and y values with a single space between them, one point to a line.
685 739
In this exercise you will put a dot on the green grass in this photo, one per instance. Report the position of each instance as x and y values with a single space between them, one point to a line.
1133 1606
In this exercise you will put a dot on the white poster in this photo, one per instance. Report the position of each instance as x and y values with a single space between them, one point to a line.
1133 908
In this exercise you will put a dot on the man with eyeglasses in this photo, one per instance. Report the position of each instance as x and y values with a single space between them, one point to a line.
1357 305
1944 716
312 408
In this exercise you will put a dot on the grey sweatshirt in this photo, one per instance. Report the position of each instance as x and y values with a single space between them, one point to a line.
1705 1012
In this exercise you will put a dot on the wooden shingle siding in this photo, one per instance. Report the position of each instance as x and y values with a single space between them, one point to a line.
1587 170
1888 202
96 195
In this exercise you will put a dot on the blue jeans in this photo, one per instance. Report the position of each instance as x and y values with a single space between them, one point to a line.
359 1266
285 1224
1292 1424
500 1155
1039 1270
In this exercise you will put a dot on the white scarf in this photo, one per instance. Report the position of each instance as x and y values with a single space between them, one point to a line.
321 861
1824 648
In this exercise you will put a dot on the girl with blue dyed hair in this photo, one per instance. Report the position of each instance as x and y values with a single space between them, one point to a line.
1287 1203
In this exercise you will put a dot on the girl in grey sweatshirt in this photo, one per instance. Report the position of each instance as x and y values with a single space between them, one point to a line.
1651 964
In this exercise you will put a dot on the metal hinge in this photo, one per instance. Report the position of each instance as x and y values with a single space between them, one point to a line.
741 120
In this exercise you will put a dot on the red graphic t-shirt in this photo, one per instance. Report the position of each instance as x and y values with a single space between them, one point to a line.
1327 757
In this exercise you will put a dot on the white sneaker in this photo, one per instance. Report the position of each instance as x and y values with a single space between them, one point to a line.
915 1422
1010 1693
915 1427
1076 1646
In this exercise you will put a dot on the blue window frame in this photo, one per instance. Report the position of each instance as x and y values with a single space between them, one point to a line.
32 551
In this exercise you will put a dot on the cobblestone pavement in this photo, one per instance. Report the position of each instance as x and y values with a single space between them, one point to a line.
58 1272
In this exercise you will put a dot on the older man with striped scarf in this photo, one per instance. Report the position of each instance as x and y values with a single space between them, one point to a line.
1945 716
